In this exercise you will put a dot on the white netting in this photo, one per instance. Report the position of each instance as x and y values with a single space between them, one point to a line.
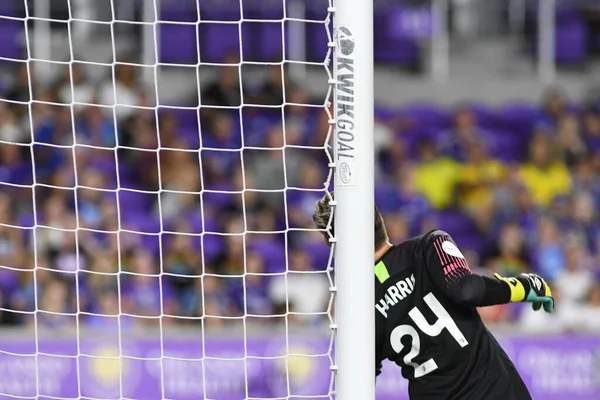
160 163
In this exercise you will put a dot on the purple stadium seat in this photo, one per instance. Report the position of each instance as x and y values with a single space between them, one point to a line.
220 10
272 251
456 222
198 223
410 22
135 202
11 34
179 10
470 242
219 40
384 113
316 42
508 146
212 245
263 9
571 41
485 116
151 243
140 222
427 115
319 254
26 220
178 44
391 49
518 117
191 138
270 41
186 118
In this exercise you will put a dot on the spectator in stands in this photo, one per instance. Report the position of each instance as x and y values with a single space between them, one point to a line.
554 107
213 300
269 166
591 129
181 182
564 319
549 252
221 132
10 130
435 177
397 227
231 261
100 276
479 179
15 167
301 203
95 129
544 176
183 263
455 142
106 314
571 145
393 157
125 89
584 216
76 89
55 215
403 196
277 81
54 304
12 257
225 91
576 278
509 254
519 206
299 281
90 198
20 91
250 293
585 179
141 291
589 316
300 116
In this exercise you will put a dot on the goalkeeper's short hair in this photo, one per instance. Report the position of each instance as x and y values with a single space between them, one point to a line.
322 217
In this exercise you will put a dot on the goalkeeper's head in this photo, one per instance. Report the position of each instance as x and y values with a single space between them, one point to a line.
322 217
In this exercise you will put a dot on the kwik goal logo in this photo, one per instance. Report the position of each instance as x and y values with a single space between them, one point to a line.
345 104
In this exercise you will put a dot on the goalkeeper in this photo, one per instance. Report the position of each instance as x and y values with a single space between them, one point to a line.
427 321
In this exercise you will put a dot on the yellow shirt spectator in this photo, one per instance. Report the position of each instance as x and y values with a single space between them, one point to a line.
476 182
436 180
545 184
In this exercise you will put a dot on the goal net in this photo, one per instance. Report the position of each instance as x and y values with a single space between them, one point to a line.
160 162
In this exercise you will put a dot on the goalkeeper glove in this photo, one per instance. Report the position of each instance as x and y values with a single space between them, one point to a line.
530 288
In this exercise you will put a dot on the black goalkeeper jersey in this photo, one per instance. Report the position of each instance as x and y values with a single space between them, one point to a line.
428 324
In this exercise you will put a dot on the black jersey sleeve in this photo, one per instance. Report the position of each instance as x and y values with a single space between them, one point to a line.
450 272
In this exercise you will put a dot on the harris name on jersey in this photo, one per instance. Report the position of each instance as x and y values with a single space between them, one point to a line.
395 293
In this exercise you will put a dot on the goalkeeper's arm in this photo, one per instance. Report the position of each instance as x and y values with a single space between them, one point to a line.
449 270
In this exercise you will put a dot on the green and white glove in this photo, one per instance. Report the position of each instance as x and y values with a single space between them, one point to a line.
530 288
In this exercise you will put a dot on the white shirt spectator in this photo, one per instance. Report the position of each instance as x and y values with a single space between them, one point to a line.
589 318
563 319
573 284
127 99
306 292
82 93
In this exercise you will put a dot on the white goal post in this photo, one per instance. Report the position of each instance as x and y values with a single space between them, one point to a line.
354 197
142 264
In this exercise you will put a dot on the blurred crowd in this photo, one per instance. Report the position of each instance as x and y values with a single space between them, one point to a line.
200 216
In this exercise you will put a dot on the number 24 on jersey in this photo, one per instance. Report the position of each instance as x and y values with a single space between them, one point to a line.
444 321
